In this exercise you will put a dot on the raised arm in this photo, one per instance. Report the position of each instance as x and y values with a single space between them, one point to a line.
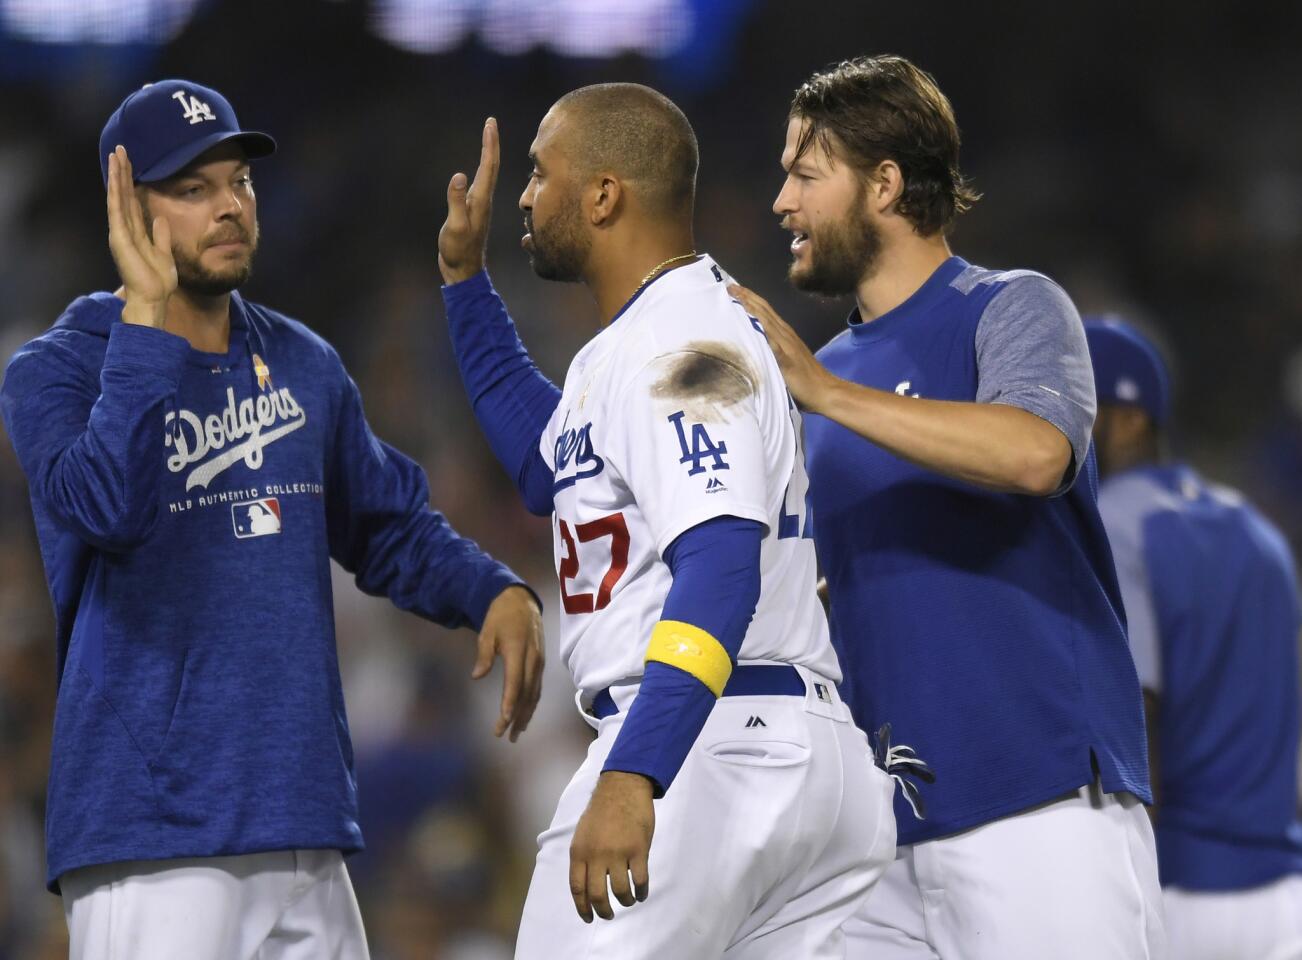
92 447
511 398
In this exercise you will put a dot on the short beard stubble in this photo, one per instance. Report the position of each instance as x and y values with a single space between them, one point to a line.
560 249
194 278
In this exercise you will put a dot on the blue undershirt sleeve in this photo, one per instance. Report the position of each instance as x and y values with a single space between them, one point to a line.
716 570
511 398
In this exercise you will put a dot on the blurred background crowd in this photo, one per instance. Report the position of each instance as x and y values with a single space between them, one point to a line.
1147 157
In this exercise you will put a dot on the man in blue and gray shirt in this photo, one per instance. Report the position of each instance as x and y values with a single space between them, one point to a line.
195 461
1212 600
973 599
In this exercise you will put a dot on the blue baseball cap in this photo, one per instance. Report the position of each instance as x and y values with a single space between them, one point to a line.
1128 369
165 125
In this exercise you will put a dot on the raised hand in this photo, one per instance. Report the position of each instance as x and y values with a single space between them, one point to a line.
464 236
146 266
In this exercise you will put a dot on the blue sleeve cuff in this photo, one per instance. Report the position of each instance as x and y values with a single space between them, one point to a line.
487 590
474 286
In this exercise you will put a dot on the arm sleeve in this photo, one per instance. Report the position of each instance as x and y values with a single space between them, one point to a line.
382 530
716 570
93 453
1031 354
511 398
1125 528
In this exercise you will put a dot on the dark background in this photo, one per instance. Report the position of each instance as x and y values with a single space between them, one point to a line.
1146 156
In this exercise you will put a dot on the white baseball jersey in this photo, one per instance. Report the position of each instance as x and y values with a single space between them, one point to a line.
676 413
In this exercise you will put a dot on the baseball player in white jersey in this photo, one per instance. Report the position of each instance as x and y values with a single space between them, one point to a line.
671 416
671 464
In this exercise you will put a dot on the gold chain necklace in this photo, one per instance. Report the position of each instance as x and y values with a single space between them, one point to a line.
660 266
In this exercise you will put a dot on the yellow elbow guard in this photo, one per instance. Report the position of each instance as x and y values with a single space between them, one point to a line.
691 650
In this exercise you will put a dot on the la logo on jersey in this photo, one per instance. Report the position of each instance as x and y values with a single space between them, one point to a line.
701 446
192 108
256 518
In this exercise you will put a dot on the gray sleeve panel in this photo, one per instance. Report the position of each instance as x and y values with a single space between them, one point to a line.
1031 354
1124 504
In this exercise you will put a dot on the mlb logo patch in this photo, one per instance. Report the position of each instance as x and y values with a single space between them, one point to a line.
822 693
256 518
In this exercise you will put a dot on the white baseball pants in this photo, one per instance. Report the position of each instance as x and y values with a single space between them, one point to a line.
766 842
1264 923
1073 879
284 905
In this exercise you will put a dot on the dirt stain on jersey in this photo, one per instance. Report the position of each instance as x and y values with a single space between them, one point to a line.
704 378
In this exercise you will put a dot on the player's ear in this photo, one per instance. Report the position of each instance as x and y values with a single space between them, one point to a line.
885 186
607 192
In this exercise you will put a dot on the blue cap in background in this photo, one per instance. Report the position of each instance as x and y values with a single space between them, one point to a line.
167 124
1128 369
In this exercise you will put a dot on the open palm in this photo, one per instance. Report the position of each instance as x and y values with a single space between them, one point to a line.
146 266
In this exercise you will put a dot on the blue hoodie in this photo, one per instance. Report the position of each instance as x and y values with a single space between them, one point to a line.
187 506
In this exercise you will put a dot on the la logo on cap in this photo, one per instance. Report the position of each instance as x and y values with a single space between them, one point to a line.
192 108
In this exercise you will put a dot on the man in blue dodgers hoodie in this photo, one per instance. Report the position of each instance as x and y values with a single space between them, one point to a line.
194 462
973 598
1211 597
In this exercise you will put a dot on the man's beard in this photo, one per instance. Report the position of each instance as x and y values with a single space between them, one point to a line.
193 277
560 249
841 254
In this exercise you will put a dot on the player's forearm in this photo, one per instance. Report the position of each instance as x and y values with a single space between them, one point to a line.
510 397
382 529
995 446
714 594
412 555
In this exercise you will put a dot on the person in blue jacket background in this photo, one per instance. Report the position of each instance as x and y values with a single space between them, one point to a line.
1211 596
195 461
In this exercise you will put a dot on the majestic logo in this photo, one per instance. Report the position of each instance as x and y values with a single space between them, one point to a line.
715 485
240 432
575 447
755 722
193 109
256 518
700 448
903 387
